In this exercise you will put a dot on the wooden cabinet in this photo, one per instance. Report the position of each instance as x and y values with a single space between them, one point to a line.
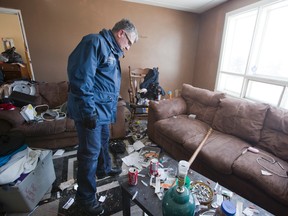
14 71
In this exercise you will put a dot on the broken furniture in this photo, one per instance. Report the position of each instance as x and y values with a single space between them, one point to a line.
178 125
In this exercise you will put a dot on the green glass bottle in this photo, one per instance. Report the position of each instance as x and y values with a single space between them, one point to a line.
178 200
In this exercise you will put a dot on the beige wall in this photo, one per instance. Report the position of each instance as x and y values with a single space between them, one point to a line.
209 43
10 28
168 38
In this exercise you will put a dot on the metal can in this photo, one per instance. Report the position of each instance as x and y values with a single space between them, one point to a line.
154 164
133 176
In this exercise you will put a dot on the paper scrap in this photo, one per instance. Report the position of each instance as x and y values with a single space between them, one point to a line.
248 212
266 173
59 152
66 184
102 199
132 160
68 203
138 145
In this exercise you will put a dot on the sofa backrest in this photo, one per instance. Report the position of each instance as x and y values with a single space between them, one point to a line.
201 102
52 93
240 118
274 136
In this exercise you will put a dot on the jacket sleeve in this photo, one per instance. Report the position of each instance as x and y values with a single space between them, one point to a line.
82 65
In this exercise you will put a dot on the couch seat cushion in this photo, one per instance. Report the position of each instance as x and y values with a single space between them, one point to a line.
274 136
248 168
181 128
42 128
219 151
241 118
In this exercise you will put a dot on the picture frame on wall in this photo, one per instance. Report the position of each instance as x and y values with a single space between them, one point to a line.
8 43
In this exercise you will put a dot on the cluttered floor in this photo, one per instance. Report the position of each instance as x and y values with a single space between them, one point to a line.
59 200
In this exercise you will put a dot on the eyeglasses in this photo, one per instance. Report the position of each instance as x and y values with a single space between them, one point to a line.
129 41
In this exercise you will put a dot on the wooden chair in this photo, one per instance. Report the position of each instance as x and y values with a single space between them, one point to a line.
136 77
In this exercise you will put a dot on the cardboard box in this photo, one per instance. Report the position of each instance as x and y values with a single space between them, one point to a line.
24 196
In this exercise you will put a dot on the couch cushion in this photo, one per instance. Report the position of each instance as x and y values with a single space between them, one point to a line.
241 118
274 136
201 102
49 91
219 151
180 129
247 167
42 128
12 117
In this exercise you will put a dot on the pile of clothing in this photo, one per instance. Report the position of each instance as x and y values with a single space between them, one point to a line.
17 160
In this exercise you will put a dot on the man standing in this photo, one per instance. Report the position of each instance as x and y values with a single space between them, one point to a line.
95 76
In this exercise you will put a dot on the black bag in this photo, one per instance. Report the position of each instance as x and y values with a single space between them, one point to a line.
151 83
12 56
117 147
20 99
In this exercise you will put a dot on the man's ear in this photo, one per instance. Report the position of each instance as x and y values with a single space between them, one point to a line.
120 33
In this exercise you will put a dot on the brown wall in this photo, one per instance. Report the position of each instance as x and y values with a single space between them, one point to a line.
209 44
168 38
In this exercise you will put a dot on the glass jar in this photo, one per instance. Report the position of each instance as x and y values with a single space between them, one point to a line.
227 208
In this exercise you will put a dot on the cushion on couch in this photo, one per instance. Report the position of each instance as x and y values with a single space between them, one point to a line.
42 128
201 102
47 92
241 118
274 136
180 129
247 167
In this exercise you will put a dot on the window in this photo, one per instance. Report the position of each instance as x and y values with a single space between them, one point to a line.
254 55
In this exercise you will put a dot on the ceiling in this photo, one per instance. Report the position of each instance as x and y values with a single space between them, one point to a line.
195 6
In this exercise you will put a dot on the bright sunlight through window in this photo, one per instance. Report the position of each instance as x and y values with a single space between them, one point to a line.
254 60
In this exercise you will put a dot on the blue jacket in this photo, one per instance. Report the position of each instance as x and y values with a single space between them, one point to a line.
94 75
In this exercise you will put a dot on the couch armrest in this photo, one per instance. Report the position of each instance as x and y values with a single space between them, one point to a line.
164 109
13 117
167 108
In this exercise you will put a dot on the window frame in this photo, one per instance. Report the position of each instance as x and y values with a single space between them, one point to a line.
247 76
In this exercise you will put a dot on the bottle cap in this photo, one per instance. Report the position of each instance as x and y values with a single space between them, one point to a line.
228 208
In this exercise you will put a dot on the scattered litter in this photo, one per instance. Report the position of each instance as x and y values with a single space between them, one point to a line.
266 173
141 175
102 199
68 203
248 212
66 184
59 152
144 183
134 196
75 187
138 145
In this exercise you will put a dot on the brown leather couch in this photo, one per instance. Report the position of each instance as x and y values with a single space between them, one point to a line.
237 124
58 133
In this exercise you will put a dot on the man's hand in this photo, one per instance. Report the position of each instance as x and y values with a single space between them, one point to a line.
90 122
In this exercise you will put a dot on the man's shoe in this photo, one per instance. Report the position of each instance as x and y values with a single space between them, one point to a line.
91 210
114 171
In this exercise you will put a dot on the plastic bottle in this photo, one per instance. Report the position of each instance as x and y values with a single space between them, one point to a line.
227 208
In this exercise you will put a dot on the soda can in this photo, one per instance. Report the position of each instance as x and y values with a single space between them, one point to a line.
133 176
154 164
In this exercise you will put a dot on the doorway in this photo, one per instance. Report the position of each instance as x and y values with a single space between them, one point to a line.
12 33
